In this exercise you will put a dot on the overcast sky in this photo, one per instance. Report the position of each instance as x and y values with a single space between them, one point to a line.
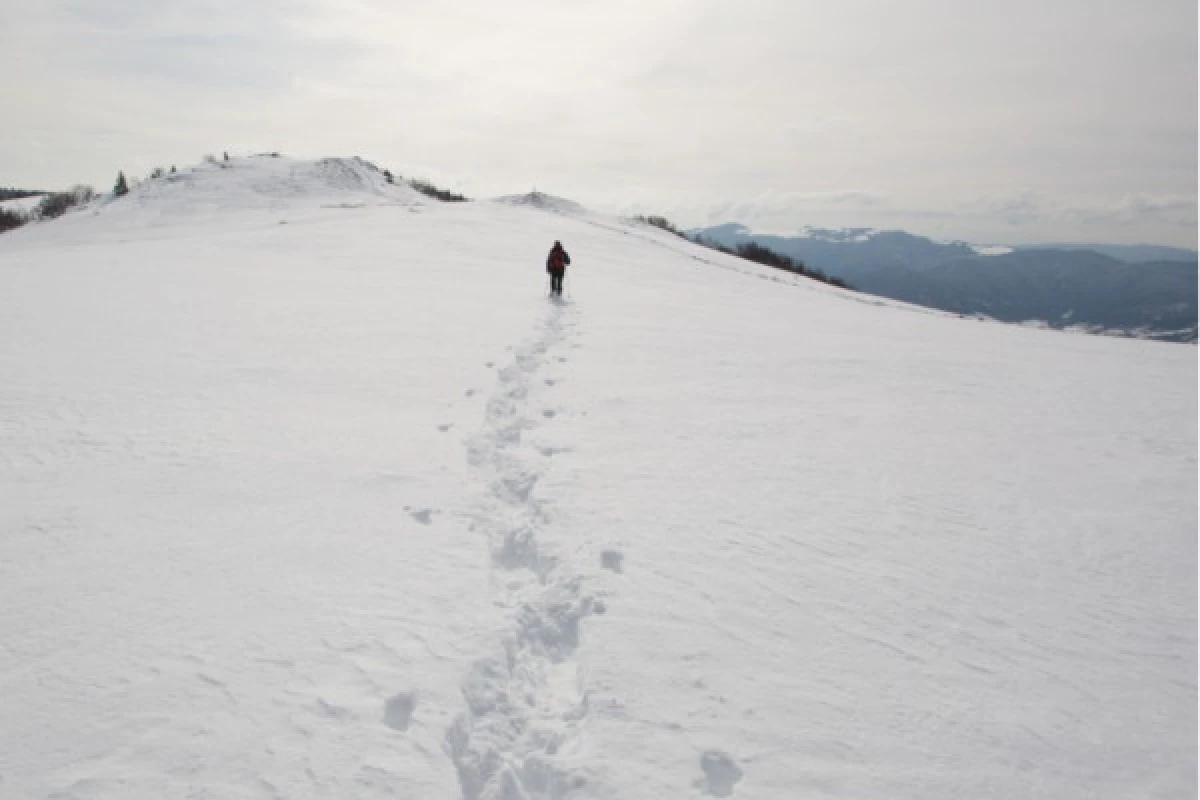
995 121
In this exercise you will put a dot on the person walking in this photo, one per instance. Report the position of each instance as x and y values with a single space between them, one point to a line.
556 265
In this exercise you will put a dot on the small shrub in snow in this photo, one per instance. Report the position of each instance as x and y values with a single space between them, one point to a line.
13 194
661 222
714 245
10 220
58 203
751 251
428 189
121 188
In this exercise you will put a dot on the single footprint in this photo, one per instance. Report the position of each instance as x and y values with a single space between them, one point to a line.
423 516
445 427
398 711
332 711
470 392
549 413
611 559
550 381
721 772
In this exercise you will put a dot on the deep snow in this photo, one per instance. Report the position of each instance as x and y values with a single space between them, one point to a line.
306 490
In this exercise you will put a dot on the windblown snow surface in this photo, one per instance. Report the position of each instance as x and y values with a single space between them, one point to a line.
307 491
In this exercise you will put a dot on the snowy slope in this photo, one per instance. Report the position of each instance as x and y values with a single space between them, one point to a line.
307 491
21 205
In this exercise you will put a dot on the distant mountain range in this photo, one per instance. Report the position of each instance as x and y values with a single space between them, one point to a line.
1129 253
1134 290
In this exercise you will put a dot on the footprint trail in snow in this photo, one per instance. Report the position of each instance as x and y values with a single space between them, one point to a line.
526 702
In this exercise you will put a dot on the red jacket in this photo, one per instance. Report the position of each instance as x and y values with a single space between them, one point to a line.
557 260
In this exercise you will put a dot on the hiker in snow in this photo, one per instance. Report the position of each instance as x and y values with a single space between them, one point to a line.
556 265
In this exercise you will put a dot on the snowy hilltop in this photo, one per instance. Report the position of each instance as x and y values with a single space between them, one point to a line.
308 491
264 182
548 202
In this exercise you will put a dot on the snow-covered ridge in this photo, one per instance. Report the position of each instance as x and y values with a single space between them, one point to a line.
842 235
263 182
547 202
991 249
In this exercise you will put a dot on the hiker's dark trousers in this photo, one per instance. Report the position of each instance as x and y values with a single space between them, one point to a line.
556 276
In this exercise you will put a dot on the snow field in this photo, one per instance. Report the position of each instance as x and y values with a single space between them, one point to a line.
966 569
307 491
233 476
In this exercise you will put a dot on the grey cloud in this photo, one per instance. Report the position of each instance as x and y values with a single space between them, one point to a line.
1020 209
1024 216
779 112
1028 206
197 44
843 198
